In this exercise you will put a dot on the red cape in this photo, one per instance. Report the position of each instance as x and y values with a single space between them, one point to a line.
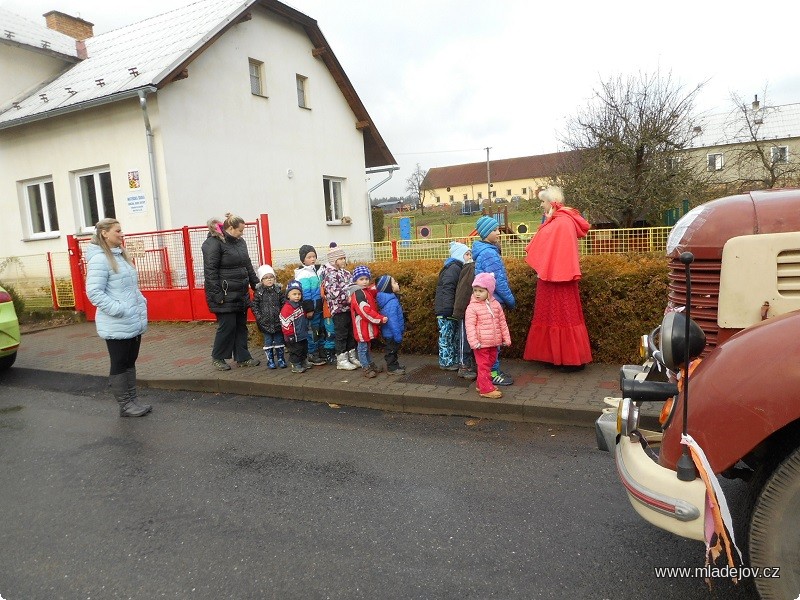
553 250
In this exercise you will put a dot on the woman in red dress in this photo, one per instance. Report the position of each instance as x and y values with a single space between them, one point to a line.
558 332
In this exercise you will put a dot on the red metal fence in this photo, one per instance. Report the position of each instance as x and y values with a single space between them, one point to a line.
170 268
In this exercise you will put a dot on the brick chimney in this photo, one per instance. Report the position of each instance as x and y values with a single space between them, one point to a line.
74 27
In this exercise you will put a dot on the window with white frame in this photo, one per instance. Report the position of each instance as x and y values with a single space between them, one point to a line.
465 196
508 192
302 91
40 202
715 161
333 199
257 77
780 154
524 190
675 163
96 197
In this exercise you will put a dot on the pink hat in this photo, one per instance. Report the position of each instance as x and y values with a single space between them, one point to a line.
484 280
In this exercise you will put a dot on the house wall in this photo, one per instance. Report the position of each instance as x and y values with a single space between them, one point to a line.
227 150
499 187
735 169
22 71
111 136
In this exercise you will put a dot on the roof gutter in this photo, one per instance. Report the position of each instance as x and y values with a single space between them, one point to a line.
76 107
389 170
151 158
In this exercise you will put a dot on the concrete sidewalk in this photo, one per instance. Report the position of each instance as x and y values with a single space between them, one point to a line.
177 356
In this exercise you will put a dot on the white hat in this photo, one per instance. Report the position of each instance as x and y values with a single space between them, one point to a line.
264 270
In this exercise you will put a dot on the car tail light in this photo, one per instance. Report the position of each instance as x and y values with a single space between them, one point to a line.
5 296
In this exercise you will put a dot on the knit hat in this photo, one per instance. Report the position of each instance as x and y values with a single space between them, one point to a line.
485 226
484 280
458 250
294 285
264 270
361 271
384 283
335 253
304 250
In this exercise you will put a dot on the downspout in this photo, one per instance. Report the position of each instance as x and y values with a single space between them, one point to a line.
152 158
391 171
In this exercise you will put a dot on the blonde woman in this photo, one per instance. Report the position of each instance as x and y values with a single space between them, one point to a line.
112 285
229 275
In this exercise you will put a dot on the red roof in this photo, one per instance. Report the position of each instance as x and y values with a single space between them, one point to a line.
507 169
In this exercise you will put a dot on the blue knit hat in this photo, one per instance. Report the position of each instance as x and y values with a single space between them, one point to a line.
458 250
384 283
294 285
485 226
361 271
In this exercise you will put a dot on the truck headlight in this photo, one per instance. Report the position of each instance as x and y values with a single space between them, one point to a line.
627 417
673 340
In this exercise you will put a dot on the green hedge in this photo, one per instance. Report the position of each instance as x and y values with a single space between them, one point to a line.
623 297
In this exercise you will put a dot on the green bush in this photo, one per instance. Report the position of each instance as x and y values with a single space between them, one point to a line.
19 301
623 297
378 225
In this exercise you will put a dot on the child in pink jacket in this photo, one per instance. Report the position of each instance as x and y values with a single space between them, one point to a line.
487 329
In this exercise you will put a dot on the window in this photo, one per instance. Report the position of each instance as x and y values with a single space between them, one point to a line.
675 163
780 155
257 77
96 197
41 206
465 196
715 162
508 192
494 194
524 190
480 195
333 199
302 92
451 197
438 200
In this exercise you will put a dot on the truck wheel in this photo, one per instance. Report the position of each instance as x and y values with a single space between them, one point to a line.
774 536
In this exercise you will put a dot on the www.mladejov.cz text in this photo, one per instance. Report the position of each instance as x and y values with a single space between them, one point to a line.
711 572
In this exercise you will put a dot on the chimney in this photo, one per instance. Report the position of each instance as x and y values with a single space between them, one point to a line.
74 27
756 103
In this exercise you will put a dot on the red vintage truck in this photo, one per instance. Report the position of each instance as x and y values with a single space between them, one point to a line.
740 256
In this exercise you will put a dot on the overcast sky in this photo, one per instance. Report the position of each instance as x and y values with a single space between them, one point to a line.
444 79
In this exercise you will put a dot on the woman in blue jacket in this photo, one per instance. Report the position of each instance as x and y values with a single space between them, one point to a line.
112 285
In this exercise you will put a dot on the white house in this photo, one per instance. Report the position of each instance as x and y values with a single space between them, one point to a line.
221 106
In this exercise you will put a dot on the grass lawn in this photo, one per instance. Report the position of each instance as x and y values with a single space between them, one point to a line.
446 222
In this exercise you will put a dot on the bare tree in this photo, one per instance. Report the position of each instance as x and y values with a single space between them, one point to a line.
757 161
417 188
629 163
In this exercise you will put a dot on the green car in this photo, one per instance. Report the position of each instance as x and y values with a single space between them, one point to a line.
9 331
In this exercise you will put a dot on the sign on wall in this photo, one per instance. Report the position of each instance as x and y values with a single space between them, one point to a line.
137 202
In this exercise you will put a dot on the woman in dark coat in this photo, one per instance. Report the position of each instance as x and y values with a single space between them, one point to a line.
228 274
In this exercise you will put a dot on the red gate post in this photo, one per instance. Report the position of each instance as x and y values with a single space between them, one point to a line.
189 264
395 256
78 287
53 293
266 245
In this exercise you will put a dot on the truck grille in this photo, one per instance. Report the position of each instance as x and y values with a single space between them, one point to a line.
705 295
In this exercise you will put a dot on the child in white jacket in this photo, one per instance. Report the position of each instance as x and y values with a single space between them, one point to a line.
486 328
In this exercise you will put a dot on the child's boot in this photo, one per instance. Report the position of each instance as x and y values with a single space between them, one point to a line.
330 356
315 358
343 364
352 356
299 368
280 359
369 372
270 358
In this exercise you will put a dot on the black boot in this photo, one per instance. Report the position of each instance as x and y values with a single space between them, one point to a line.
330 356
134 397
119 389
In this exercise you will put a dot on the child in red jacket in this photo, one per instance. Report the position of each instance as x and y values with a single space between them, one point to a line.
366 318
487 329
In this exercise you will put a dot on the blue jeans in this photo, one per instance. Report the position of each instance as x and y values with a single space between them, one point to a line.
364 355
273 340
448 341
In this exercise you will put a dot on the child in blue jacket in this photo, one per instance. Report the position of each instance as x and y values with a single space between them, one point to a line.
486 254
392 330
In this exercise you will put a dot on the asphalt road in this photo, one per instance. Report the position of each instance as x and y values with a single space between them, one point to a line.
215 496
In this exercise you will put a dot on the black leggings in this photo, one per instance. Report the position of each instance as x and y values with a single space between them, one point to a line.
343 331
123 354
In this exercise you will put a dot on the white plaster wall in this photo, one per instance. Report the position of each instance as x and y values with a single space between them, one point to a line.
109 136
227 150
21 71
